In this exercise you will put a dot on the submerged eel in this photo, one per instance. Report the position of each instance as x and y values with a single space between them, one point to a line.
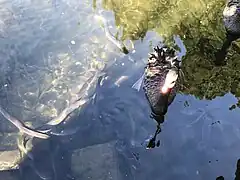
42 133
108 34
20 125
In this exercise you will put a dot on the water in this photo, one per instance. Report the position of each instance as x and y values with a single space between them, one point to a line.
50 49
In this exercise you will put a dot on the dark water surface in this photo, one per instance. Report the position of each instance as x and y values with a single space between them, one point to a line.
49 49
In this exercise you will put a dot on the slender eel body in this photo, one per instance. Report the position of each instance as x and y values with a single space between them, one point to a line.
108 34
21 126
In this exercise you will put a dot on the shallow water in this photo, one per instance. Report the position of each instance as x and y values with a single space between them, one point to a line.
47 51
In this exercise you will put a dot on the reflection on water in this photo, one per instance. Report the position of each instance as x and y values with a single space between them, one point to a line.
199 24
51 49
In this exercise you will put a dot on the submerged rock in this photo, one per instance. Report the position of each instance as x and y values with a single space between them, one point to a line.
9 154
9 175
96 162
9 160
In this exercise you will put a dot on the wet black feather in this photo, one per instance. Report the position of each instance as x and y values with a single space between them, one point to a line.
159 63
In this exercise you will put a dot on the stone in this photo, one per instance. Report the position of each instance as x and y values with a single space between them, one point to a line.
9 160
96 162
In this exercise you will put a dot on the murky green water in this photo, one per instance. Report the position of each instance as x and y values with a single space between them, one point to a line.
50 49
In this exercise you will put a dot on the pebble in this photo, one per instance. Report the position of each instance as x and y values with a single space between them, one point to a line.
73 42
